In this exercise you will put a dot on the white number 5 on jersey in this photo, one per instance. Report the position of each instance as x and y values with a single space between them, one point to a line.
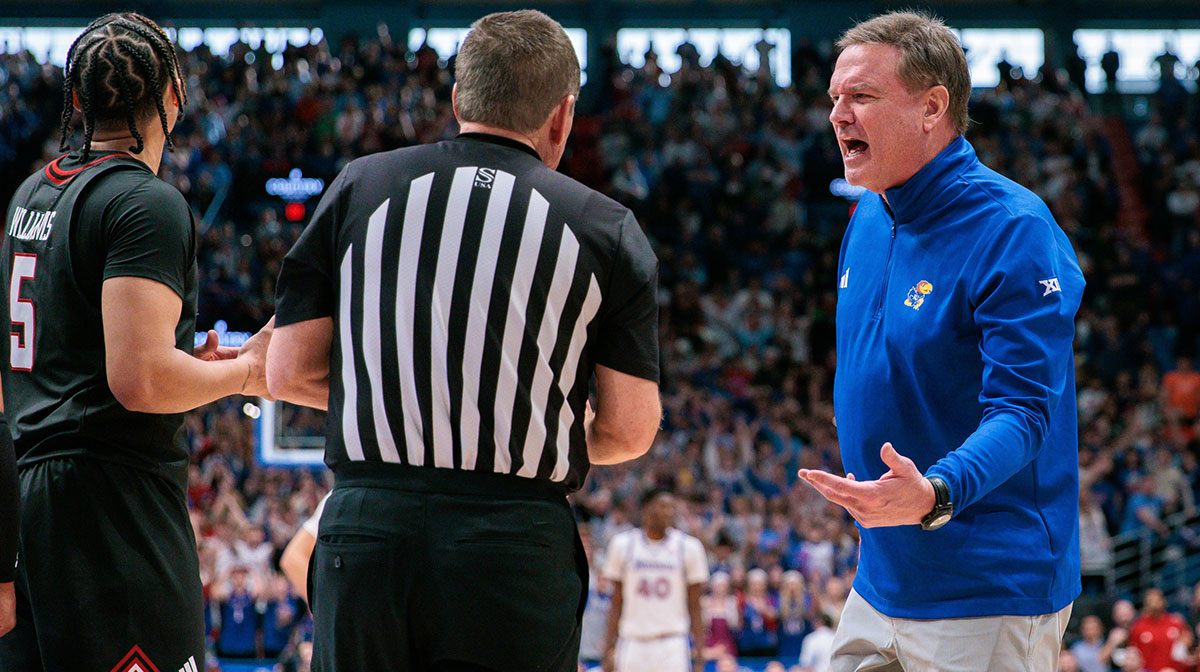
21 313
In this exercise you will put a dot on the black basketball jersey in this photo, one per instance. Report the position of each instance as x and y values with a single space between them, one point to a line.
68 228
472 291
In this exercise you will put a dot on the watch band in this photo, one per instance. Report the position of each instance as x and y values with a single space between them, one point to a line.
942 510
941 491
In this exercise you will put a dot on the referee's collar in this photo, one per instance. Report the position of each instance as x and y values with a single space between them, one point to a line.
500 140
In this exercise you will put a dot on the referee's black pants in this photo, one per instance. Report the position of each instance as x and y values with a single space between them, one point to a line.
432 569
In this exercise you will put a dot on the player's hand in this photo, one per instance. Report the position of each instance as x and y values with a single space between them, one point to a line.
8 608
902 496
254 353
212 351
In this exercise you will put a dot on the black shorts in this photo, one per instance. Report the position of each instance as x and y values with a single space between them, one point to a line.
432 569
107 577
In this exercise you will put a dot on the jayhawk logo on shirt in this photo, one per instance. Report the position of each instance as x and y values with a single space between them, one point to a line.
916 295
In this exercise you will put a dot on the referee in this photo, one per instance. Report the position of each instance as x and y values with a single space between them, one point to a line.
449 305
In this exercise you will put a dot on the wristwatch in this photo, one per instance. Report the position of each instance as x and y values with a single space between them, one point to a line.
942 508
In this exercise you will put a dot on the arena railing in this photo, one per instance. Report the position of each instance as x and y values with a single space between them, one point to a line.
1145 558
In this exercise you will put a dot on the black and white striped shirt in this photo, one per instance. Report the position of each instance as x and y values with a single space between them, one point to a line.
472 291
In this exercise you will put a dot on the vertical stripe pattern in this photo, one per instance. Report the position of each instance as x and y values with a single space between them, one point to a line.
560 284
514 327
372 332
492 302
477 318
447 263
350 435
410 250
570 374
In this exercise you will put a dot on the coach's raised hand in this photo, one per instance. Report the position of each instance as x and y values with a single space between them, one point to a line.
253 354
902 496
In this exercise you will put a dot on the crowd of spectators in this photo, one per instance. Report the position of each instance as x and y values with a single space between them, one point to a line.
735 180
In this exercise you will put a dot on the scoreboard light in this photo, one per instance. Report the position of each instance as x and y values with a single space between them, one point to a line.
294 212
295 189
233 339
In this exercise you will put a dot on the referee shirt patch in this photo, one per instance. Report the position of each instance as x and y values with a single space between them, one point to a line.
485 178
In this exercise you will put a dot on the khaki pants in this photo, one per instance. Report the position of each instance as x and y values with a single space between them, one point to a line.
868 641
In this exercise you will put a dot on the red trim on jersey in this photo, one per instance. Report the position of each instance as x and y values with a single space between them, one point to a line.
52 168
135 660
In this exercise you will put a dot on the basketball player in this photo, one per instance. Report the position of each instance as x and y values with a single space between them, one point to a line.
100 258
658 574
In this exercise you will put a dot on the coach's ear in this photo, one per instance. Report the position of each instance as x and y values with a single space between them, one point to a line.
454 102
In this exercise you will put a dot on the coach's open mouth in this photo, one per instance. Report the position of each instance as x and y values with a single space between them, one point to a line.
853 147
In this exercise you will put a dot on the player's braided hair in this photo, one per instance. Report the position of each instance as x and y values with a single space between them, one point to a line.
118 68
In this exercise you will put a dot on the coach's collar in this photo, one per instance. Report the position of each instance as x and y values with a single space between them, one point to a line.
501 140
928 188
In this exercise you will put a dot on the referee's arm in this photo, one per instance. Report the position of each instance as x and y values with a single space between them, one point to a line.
626 417
628 410
299 354
298 363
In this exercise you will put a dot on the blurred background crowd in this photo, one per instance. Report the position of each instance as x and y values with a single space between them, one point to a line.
736 181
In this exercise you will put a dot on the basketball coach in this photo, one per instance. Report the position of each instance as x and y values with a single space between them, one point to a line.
449 305
955 386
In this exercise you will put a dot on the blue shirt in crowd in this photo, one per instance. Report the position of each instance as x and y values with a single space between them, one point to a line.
239 626
955 322
279 619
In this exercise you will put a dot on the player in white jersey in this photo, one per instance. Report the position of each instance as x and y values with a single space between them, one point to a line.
658 574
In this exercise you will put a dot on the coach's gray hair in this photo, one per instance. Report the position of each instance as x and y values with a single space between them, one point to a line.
513 68
930 55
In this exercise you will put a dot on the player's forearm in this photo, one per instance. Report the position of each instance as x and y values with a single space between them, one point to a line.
696 614
614 620
697 633
175 382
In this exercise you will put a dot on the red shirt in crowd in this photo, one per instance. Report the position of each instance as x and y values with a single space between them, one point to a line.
1154 637
1182 389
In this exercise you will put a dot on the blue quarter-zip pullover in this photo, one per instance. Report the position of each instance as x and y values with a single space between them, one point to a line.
955 319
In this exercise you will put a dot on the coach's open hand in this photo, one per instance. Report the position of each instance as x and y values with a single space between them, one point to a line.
902 496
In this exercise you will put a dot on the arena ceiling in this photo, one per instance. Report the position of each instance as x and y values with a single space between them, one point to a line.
49 12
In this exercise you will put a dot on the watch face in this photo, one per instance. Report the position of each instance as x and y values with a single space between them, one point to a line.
939 520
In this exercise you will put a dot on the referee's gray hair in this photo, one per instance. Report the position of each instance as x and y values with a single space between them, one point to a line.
930 55
513 68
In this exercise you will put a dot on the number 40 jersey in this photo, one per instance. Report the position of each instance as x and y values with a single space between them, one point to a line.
654 578
70 227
